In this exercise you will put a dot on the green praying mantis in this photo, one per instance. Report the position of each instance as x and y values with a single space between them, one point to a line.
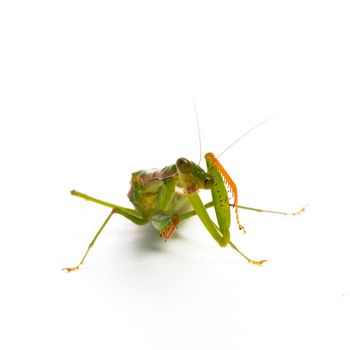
162 197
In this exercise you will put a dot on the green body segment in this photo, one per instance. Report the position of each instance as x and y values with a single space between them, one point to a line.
156 195
155 190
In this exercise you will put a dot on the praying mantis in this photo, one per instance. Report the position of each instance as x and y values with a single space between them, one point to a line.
162 196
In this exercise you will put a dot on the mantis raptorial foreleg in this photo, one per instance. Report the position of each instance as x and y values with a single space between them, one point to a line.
213 229
164 221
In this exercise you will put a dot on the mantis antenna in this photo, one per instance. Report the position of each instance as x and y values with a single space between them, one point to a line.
233 143
199 130
244 135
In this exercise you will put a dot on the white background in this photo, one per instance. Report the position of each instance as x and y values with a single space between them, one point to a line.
93 90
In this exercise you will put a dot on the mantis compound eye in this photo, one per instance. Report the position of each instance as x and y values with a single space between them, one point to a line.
184 165
208 182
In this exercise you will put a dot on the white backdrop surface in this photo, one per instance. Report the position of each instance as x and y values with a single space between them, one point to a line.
92 91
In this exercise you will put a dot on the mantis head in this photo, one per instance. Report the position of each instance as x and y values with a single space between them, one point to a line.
193 176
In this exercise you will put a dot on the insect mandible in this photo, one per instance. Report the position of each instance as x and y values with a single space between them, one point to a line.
160 196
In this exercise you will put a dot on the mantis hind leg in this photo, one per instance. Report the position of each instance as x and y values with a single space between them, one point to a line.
130 214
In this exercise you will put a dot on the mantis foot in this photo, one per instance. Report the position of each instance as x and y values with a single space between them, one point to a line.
298 212
259 263
70 269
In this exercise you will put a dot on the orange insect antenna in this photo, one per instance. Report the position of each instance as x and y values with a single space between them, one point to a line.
227 179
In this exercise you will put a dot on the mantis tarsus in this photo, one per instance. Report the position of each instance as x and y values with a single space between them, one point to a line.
162 195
